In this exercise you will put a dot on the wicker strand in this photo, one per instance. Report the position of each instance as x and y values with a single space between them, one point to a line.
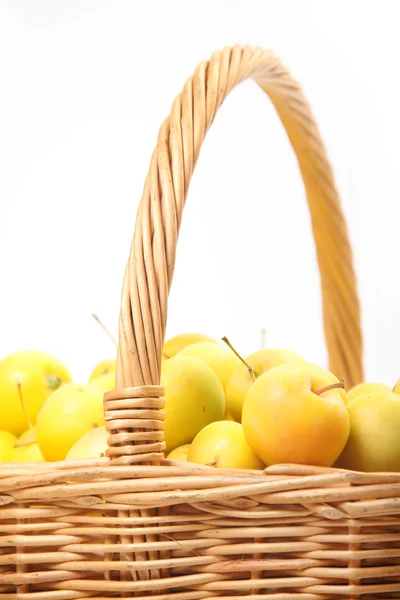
135 421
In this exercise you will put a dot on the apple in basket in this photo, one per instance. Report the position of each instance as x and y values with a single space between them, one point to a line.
66 416
296 413
221 410
177 343
105 382
26 448
219 358
222 444
367 388
180 453
33 375
92 444
248 370
104 367
374 441
7 441
194 397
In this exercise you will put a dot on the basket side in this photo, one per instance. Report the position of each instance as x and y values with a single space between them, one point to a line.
96 530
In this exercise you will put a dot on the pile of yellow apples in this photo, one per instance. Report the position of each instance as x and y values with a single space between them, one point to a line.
46 417
221 410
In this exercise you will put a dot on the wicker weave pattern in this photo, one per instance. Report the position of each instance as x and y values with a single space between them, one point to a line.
135 420
292 533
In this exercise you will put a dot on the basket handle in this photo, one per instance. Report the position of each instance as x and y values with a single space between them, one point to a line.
133 409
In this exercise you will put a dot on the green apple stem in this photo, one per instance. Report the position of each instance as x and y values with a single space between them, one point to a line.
332 386
104 328
21 399
246 364
53 382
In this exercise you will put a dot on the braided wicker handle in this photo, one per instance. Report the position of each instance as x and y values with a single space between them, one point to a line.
133 409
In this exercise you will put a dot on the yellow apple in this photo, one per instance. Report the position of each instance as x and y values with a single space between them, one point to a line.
219 358
105 382
53 369
26 448
29 383
289 417
396 388
93 444
222 444
104 367
7 441
242 378
374 441
28 437
179 453
66 415
193 398
179 342
366 388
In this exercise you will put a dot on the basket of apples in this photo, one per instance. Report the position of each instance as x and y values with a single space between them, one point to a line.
182 469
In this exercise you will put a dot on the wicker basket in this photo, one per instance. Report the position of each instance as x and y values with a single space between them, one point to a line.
134 524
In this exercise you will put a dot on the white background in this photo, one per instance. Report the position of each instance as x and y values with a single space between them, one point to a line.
84 87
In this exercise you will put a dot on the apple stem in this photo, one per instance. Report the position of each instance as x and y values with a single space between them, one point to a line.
246 364
21 399
332 386
53 382
263 338
104 328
